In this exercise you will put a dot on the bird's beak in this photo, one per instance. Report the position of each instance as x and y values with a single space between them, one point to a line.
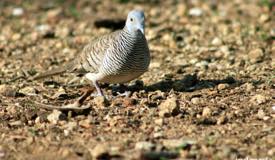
141 28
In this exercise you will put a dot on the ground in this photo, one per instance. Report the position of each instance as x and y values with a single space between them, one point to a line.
208 94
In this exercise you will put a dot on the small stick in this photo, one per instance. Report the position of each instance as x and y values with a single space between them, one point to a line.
77 105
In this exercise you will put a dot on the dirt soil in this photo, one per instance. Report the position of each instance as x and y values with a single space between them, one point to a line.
209 92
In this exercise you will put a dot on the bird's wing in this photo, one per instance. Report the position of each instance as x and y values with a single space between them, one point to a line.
92 56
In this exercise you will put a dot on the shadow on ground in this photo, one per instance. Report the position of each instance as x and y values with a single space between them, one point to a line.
188 83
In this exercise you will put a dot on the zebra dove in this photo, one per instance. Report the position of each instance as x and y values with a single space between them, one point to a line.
117 57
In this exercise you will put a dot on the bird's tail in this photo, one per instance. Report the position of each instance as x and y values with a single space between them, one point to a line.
49 73
68 68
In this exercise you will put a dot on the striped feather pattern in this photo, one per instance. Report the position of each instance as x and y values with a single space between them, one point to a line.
117 54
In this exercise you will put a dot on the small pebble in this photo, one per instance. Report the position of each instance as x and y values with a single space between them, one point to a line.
159 121
221 120
86 123
169 107
256 55
223 86
202 64
261 114
55 116
28 91
71 126
15 123
7 90
258 99
100 101
17 12
195 12
100 150
144 145
195 100
216 41
206 112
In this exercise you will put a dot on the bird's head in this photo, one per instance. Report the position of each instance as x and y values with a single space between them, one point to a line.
135 21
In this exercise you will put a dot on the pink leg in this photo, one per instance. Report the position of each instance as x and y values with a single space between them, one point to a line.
99 91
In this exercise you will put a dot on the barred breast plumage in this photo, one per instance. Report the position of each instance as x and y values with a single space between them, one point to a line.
114 58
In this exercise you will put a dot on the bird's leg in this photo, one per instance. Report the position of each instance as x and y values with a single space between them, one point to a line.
98 89
94 78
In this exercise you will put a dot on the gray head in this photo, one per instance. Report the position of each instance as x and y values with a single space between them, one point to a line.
135 21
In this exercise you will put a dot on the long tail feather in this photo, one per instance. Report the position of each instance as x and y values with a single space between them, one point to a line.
49 73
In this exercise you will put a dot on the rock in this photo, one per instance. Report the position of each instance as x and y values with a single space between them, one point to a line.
3 88
7 90
177 143
206 112
260 114
66 132
181 9
157 95
225 50
193 61
169 107
216 41
55 116
100 151
155 64
17 12
86 123
159 121
2 152
53 14
223 86
100 101
158 135
258 99
45 30
16 36
221 120
28 91
59 93
62 32
256 55
127 102
202 64
264 18
144 145
70 126
15 123
249 87
195 100
195 12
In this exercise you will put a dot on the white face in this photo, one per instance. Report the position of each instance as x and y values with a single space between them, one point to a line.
135 21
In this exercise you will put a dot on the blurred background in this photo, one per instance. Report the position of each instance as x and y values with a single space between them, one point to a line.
209 91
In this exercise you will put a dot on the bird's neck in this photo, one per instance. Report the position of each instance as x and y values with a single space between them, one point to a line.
131 32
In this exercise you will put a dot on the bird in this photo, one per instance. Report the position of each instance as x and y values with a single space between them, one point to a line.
117 57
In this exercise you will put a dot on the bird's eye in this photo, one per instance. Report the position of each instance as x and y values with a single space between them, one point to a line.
131 19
